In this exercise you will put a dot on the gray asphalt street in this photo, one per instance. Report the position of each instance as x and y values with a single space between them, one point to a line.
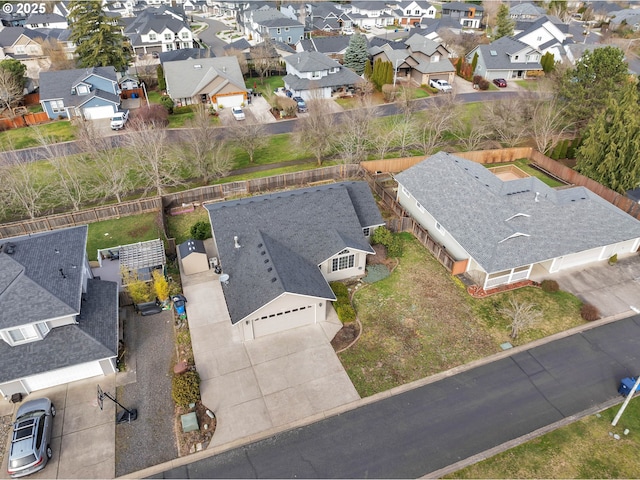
421 431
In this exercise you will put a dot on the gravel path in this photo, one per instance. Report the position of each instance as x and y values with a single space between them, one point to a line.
149 440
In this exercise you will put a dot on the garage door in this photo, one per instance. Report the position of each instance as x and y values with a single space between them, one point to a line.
62 376
577 259
230 100
94 113
285 320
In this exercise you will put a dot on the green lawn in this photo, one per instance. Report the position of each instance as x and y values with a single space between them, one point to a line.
121 231
17 138
268 85
154 96
179 226
178 120
528 84
583 449
279 148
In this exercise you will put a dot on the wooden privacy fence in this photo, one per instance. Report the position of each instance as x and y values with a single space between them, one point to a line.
404 223
259 185
23 120
71 219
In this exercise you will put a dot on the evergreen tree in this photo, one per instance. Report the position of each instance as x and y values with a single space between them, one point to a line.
368 70
162 83
610 152
504 24
388 79
474 63
377 74
356 55
98 38
548 62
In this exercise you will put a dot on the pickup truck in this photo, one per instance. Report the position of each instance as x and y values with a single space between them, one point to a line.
441 85
119 119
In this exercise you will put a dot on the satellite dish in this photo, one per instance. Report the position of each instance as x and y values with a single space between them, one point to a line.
224 278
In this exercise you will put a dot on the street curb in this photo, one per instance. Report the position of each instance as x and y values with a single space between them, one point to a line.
209 452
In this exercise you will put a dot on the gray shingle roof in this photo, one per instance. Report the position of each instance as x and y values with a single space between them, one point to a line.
184 53
95 337
283 238
505 47
463 7
57 85
32 288
474 206
185 79
327 45
526 9
316 61
191 246
44 18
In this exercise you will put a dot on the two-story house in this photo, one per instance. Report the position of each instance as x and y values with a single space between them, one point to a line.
46 20
315 75
369 13
327 17
468 14
89 93
412 12
24 45
526 11
269 23
216 82
544 35
58 324
156 30
506 58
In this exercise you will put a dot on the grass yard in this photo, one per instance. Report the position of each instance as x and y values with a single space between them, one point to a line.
583 449
269 86
121 231
17 138
531 85
179 226
420 321
279 148
178 120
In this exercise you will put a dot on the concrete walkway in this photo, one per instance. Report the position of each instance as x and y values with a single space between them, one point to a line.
269 382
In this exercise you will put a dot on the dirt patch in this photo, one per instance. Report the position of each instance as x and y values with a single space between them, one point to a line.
139 232
381 258
5 428
347 334
192 442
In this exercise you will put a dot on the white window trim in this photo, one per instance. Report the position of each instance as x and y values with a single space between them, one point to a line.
343 261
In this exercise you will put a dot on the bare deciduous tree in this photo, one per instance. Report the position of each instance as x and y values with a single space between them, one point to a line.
504 119
11 91
111 166
72 176
433 123
264 58
471 135
548 123
250 137
383 141
55 56
315 132
156 168
242 59
354 134
522 315
203 149
24 185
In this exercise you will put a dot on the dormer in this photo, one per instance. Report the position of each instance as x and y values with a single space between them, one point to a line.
81 88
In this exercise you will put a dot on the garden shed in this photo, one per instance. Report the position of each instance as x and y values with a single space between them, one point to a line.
193 257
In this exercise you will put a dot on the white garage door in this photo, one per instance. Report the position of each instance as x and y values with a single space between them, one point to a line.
62 376
285 320
230 100
577 259
94 113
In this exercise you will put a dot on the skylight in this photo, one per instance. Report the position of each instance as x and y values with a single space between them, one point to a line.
493 53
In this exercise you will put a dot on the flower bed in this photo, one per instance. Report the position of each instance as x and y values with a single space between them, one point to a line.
478 292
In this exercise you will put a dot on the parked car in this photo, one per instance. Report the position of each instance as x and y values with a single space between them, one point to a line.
237 113
441 85
302 106
367 27
348 31
30 448
119 119
500 82
379 25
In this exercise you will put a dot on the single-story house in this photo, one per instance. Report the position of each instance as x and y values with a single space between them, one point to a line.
90 93
279 251
193 257
215 81
58 323
509 230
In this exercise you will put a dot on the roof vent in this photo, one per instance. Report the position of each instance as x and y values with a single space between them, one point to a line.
224 279
517 234
235 242
537 199
493 53
273 279
197 66
8 248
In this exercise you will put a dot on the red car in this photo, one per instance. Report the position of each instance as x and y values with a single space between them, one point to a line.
500 82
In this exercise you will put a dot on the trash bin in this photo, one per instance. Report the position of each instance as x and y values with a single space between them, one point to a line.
134 95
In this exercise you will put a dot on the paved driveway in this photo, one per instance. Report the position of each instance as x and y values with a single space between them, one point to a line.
266 383
614 289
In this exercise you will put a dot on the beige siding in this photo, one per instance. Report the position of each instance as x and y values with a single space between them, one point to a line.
358 269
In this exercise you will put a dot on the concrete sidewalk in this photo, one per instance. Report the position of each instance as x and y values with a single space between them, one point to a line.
269 382
83 441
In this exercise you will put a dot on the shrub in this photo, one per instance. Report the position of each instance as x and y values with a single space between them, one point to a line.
346 313
477 79
389 92
167 103
613 259
160 285
201 230
153 114
383 236
343 307
341 292
589 312
483 84
185 109
549 286
185 388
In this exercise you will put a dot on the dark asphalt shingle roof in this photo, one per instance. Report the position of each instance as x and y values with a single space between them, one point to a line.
57 85
32 288
504 48
473 205
191 246
283 238
95 337
184 53
327 45
316 61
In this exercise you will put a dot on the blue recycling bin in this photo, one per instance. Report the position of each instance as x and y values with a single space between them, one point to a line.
626 384
134 95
